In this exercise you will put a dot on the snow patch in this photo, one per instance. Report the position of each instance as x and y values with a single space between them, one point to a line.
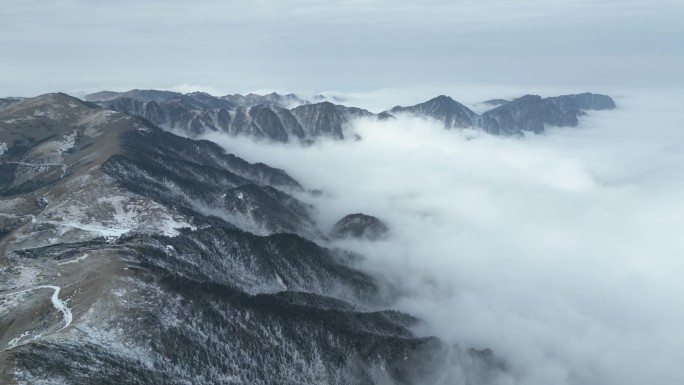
129 215
68 143
21 276
8 205
49 113
113 216
75 260
280 281
141 128
93 122
50 153
15 341
9 302
3 147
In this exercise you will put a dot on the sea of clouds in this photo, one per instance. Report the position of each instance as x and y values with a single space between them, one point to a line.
562 252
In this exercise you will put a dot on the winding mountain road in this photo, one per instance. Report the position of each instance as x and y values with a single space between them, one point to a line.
60 305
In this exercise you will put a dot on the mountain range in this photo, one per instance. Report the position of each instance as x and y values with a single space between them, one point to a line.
131 255
273 116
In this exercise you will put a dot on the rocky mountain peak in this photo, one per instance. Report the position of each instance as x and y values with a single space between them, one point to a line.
360 226
444 109
442 99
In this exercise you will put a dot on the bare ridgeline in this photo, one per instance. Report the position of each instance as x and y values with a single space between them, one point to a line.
130 255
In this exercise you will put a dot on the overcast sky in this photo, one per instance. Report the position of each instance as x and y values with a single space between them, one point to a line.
302 45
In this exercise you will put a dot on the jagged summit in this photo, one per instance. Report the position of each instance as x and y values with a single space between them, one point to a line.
444 109
445 101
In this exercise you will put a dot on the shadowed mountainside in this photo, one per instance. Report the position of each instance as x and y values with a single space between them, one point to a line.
169 261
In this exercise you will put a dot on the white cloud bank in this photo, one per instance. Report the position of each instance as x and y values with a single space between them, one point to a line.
562 252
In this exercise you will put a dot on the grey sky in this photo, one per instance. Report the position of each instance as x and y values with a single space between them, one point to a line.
231 46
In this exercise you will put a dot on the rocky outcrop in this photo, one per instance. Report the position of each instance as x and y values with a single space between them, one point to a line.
443 109
360 226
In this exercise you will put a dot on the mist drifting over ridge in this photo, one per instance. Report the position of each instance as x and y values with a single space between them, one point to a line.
560 252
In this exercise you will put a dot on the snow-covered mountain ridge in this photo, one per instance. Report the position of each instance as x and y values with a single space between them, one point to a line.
171 261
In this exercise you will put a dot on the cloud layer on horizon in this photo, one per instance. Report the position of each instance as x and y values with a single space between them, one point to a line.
300 45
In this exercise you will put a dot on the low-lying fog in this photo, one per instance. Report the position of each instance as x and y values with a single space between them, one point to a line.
562 252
